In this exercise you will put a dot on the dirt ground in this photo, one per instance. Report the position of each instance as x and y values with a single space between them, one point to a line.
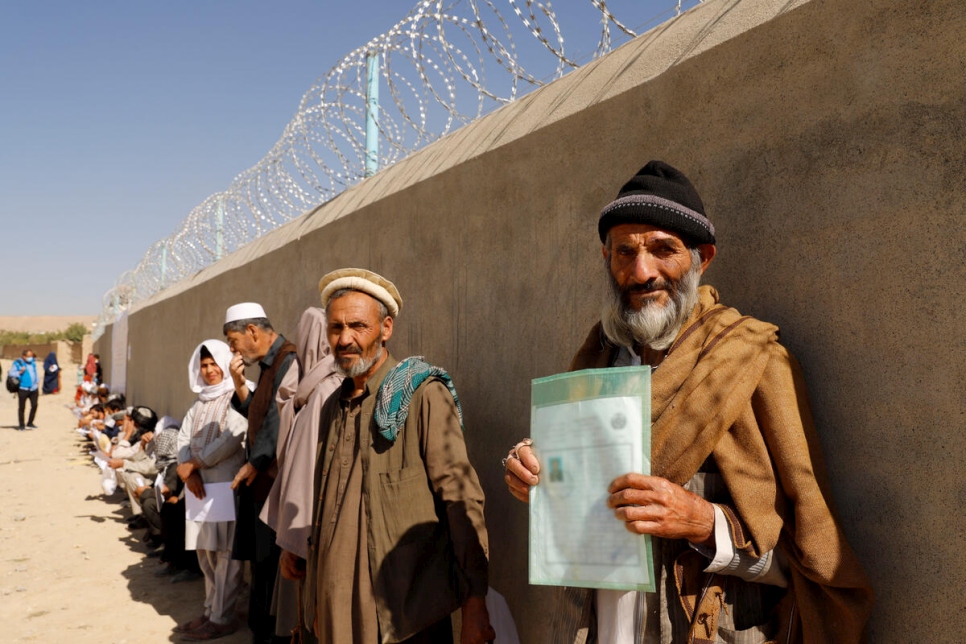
70 569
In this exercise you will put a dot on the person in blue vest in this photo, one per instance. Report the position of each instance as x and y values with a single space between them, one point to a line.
25 368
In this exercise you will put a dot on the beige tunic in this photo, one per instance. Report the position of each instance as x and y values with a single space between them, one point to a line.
398 540
345 598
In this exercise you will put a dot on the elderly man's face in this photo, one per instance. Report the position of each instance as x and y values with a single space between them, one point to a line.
647 263
355 332
245 343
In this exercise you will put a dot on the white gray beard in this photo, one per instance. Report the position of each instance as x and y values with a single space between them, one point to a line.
653 326
360 367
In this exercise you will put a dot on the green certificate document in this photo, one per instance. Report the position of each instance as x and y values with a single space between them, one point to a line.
588 428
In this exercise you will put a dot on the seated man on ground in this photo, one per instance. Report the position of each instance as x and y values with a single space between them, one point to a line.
165 461
133 463
93 419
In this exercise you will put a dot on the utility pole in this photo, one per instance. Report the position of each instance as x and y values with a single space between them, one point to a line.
372 113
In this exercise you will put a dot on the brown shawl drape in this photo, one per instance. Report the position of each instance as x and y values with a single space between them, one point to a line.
728 389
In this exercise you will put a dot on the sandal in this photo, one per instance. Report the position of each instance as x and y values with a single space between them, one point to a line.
191 625
210 631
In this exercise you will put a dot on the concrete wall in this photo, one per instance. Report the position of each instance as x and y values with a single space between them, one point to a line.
826 138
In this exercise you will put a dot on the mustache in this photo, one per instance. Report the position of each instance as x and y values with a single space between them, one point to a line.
348 349
651 285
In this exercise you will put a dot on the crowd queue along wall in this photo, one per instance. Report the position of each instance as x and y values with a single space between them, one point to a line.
826 138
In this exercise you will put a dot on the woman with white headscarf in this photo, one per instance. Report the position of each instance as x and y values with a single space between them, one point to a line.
210 450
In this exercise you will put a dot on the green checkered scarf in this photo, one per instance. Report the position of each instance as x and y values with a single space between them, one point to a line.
396 392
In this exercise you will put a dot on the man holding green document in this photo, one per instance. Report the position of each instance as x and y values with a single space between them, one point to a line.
744 544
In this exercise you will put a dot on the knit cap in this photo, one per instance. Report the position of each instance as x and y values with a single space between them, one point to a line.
659 195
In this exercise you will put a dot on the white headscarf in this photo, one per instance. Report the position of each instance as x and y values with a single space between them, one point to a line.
222 356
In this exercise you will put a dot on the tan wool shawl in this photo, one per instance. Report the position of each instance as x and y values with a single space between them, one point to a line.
728 389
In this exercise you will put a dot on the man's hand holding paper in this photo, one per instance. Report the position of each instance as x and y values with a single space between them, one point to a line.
656 506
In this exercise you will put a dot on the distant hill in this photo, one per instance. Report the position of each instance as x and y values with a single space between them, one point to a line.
43 323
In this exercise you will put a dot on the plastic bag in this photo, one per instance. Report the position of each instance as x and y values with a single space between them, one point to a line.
109 481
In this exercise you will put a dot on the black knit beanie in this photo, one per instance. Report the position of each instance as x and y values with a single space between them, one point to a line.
661 196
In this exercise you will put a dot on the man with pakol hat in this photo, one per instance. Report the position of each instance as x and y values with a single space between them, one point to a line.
745 545
252 339
398 539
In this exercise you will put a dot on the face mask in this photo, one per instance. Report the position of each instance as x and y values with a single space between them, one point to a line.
29 360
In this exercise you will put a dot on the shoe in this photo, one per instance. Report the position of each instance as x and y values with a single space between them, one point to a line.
210 631
136 522
191 625
21 428
186 575
164 572
31 426
157 552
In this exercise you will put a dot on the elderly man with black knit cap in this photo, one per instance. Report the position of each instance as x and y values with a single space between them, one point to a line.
398 539
252 339
745 545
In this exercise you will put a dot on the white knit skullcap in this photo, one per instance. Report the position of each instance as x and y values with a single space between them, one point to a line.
244 311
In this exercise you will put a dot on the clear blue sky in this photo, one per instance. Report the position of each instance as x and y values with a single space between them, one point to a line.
118 117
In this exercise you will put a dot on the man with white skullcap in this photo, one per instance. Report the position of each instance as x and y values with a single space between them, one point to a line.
398 538
253 340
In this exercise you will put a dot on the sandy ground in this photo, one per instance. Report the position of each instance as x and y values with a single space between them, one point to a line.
70 569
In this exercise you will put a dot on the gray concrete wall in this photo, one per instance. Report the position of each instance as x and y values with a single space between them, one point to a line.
827 140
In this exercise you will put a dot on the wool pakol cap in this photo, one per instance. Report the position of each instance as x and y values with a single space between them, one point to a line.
359 279
661 196
244 311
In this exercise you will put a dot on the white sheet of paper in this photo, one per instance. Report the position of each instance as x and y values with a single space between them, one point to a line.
575 539
218 504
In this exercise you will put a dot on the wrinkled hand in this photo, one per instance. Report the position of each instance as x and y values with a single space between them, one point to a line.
476 622
521 473
654 505
139 490
237 370
196 485
186 469
291 565
246 474
115 463
146 438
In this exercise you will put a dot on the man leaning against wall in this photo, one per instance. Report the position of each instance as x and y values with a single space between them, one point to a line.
746 546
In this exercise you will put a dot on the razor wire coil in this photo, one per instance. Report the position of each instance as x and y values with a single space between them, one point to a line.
444 65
